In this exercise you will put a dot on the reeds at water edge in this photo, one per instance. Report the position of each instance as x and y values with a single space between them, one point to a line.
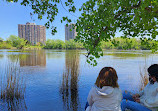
12 87
143 77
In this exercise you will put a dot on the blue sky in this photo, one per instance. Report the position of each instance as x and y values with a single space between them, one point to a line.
12 14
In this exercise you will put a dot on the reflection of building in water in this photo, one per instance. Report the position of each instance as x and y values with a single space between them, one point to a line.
69 87
35 58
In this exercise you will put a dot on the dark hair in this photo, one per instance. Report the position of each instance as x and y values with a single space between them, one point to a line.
153 71
107 77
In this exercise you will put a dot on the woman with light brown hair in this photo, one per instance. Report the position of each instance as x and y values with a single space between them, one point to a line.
105 95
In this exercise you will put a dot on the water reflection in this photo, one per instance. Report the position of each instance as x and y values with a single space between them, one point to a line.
15 105
1 56
72 95
35 58
12 88
55 54
13 57
69 87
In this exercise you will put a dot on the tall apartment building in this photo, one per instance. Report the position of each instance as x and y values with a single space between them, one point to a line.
32 32
70 34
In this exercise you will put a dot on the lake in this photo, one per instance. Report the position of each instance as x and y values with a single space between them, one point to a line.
60 80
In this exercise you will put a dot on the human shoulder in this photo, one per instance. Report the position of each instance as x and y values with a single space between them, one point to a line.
93 88
118 89
118 93
147 86
151 86
156 86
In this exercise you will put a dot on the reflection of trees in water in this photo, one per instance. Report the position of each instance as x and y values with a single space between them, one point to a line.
12 88
54 54
13 57
14 105
69 87
1 56
33 58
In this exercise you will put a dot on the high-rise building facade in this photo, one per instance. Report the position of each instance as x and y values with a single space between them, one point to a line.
70 32
32 32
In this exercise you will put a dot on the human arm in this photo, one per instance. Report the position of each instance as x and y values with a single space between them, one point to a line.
135 96
137 100
138 95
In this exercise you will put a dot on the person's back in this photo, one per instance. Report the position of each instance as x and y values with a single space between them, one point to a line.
105 95
105 99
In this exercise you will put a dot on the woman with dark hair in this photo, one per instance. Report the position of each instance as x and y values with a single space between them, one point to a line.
105 95
147 99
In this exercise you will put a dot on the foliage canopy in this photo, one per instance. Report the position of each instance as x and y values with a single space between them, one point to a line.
16 41
100 19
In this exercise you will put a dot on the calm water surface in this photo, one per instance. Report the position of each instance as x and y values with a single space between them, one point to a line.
59 80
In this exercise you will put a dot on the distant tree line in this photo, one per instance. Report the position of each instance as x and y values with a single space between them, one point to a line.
13 41
127 43
59 44
120 43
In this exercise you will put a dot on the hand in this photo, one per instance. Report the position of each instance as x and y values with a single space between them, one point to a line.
137 100
135 96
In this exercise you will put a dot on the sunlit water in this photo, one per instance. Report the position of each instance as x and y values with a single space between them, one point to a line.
59 80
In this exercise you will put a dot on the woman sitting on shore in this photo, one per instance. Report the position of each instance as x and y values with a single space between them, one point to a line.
147 99
105 95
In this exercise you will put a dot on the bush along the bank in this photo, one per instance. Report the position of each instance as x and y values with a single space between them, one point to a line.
17 42
128 44
116 43
59 44
5 45
121 43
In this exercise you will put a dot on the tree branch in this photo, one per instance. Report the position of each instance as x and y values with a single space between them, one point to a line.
115 17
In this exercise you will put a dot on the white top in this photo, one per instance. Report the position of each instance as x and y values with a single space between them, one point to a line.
149 96
104 99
